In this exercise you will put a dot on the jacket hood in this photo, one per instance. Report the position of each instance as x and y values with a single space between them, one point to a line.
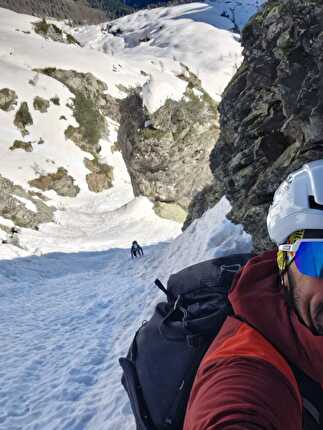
258 297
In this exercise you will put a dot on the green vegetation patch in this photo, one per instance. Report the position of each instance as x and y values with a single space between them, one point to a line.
92 123
90 105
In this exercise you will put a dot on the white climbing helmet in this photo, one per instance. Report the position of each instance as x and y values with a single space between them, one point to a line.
298 203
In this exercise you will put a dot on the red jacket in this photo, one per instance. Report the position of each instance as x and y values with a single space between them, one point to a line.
244 381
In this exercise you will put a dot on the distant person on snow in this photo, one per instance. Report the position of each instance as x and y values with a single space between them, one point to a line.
136 250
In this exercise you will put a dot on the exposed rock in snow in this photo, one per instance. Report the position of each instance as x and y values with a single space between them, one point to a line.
18 144
50 31
167 152
14 205
23 118
61 182
41 104
8 99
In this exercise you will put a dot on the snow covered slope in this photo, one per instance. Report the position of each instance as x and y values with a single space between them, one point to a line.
194 34
69 317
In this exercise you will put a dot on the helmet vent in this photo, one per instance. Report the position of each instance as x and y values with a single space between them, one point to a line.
313 204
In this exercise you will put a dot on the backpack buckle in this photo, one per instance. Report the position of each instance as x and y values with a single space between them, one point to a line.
180 308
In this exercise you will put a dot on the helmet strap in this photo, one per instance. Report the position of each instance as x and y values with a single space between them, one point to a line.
285 271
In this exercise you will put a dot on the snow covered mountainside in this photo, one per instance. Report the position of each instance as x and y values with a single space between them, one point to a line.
71 296
59 112
195 34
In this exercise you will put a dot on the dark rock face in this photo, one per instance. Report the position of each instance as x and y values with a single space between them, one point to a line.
271 112
167 152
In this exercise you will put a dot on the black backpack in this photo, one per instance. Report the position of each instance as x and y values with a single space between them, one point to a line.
161 364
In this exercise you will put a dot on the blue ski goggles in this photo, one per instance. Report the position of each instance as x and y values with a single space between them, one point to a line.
308 256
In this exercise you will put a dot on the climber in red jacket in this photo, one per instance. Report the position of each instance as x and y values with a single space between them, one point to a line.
245 380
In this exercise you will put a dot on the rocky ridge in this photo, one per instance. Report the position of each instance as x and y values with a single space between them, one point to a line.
271 113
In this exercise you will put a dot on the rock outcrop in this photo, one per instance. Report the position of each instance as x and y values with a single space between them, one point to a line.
51 31
61 182
8 99
101 175
167 152
14 205
41 104
23 118
271 112
19 144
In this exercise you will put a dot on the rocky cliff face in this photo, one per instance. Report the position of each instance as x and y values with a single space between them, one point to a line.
167 152
271 113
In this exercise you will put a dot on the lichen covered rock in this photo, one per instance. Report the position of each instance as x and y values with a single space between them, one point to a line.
8 99
61 182
101 176
91 105
167 152
171 211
